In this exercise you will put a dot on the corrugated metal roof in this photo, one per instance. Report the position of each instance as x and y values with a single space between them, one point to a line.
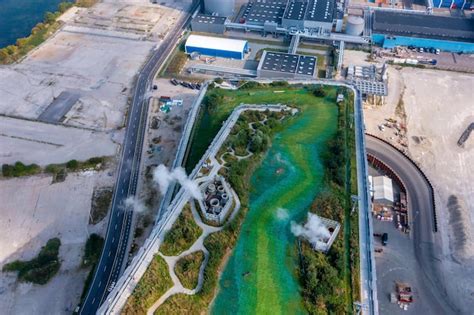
217 43
383 189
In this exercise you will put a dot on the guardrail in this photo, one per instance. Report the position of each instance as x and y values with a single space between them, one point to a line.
435 218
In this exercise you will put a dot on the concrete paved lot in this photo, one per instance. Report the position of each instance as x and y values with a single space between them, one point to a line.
33 210
35 142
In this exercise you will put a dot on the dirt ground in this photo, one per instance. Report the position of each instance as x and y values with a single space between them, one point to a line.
161 151
36 142
438 108
96 54
34 210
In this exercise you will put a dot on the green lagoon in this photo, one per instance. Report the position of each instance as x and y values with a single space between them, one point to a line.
260 276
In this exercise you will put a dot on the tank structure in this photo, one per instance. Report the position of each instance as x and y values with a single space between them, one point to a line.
217 200
354 25
219 7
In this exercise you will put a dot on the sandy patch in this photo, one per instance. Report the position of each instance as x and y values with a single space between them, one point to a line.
33 210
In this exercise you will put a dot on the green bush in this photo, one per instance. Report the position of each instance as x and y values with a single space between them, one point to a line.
20 169
319 91
187 269
182 235
40 269
92 250
72 165
154 283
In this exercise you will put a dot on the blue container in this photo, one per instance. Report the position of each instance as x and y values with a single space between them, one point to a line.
454 4
215 52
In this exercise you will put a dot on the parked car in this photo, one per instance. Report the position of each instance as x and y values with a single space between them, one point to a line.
384 239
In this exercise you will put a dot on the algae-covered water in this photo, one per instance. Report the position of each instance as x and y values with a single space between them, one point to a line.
260 276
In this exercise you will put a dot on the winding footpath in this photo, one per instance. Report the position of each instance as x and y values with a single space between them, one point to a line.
196 247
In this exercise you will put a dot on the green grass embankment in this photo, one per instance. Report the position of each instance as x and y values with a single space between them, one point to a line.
182 234
187 269
40 269
331 282
154 283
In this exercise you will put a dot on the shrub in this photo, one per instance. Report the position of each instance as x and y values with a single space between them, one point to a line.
92 250
182 235
319 91
40 269
72 165
20 169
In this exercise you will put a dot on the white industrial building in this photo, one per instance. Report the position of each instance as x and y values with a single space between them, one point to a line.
216 46
382 189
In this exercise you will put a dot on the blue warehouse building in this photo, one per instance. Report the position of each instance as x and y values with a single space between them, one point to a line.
454 34
216 47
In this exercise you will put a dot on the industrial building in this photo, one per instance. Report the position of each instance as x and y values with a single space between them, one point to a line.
391 29
382 190
283 65
311 14
259 12
217 200
223 8
208 24
216 47
294 14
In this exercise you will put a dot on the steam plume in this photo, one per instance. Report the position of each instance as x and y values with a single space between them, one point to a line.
314 231
164 177
135 204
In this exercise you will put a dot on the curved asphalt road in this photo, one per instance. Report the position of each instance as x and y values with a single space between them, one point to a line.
419 194
115 248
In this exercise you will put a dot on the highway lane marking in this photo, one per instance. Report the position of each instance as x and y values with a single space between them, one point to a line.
115 226
100 284
113 240
93 301
110 252
105 268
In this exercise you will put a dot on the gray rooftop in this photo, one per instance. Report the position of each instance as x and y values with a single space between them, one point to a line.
311 10
288 63
261 11
320 10
209 19
295 10
422 25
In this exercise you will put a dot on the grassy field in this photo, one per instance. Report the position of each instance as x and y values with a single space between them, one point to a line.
154 283
187 269
40 269
182 235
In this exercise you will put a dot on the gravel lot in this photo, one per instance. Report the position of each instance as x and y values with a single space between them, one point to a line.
35 142
438 107
34 210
